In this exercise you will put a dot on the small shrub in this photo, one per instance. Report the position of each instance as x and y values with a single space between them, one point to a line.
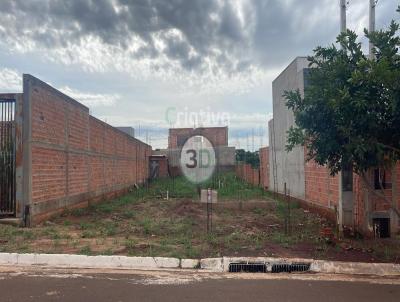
109 229
128 214
88 234
86 250
79 212
147 225
29 235
105 208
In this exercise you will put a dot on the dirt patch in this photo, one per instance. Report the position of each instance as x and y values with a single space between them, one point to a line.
177 228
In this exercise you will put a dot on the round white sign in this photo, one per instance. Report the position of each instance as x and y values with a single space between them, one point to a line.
197 159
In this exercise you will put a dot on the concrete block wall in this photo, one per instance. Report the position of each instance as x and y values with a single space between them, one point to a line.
264 167
310 183
289 167
73 157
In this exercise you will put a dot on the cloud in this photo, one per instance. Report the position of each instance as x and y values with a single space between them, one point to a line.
91 99
160 53
10 80
142 28
205 44
194 34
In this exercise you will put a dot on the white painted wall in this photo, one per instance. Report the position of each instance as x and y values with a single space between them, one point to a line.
289 166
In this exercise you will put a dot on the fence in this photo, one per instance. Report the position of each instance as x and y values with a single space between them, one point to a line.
67 158
255 176
7 157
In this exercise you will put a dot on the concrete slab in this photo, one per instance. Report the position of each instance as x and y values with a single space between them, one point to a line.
190 263
212 264
356 268
208 264
83 261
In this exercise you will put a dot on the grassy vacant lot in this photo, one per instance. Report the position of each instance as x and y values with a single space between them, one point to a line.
246 222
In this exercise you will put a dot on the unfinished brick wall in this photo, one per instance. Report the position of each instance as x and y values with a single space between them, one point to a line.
75 157
366 204
158 167
248 174
256 177
264 167
218 136
320 188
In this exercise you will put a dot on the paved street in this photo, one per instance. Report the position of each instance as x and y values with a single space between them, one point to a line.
39 285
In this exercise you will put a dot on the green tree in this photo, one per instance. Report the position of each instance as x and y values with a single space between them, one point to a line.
248 157
349 115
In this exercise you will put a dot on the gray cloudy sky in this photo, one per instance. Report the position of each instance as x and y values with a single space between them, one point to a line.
134 61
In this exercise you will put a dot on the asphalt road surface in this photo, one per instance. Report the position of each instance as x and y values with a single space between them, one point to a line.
67 285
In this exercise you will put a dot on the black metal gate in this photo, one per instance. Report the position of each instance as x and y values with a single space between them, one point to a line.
7 157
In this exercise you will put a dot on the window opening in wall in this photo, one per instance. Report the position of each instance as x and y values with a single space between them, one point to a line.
381 227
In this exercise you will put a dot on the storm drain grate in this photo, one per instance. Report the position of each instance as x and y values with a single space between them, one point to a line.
288 268
247 268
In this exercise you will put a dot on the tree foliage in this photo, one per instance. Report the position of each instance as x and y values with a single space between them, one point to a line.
350 112
248 157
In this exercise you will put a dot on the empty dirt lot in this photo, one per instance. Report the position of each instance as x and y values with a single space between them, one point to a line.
246 222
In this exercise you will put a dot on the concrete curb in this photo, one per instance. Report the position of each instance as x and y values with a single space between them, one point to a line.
82 261
208 264
323 266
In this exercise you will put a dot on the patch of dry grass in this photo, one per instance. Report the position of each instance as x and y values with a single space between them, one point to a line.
140 224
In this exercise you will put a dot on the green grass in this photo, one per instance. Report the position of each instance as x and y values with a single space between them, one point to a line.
86 250
143 223
89 234
109 229
283 239
229 186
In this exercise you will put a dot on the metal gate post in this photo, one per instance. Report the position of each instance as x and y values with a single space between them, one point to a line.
7 156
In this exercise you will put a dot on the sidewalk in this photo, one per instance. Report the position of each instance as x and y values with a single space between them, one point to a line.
207 264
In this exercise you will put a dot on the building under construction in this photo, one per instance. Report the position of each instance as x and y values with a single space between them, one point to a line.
343 198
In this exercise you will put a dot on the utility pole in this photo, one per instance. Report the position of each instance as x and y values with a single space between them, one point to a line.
343 28
372 5
343 7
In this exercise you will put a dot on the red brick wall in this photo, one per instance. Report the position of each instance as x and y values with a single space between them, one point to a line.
376 203
162 163
48 177
256 177
264 167
320 188
76 157
163 167
248 174
218 136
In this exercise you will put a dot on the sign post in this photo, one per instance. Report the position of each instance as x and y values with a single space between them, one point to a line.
209 196
209 211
